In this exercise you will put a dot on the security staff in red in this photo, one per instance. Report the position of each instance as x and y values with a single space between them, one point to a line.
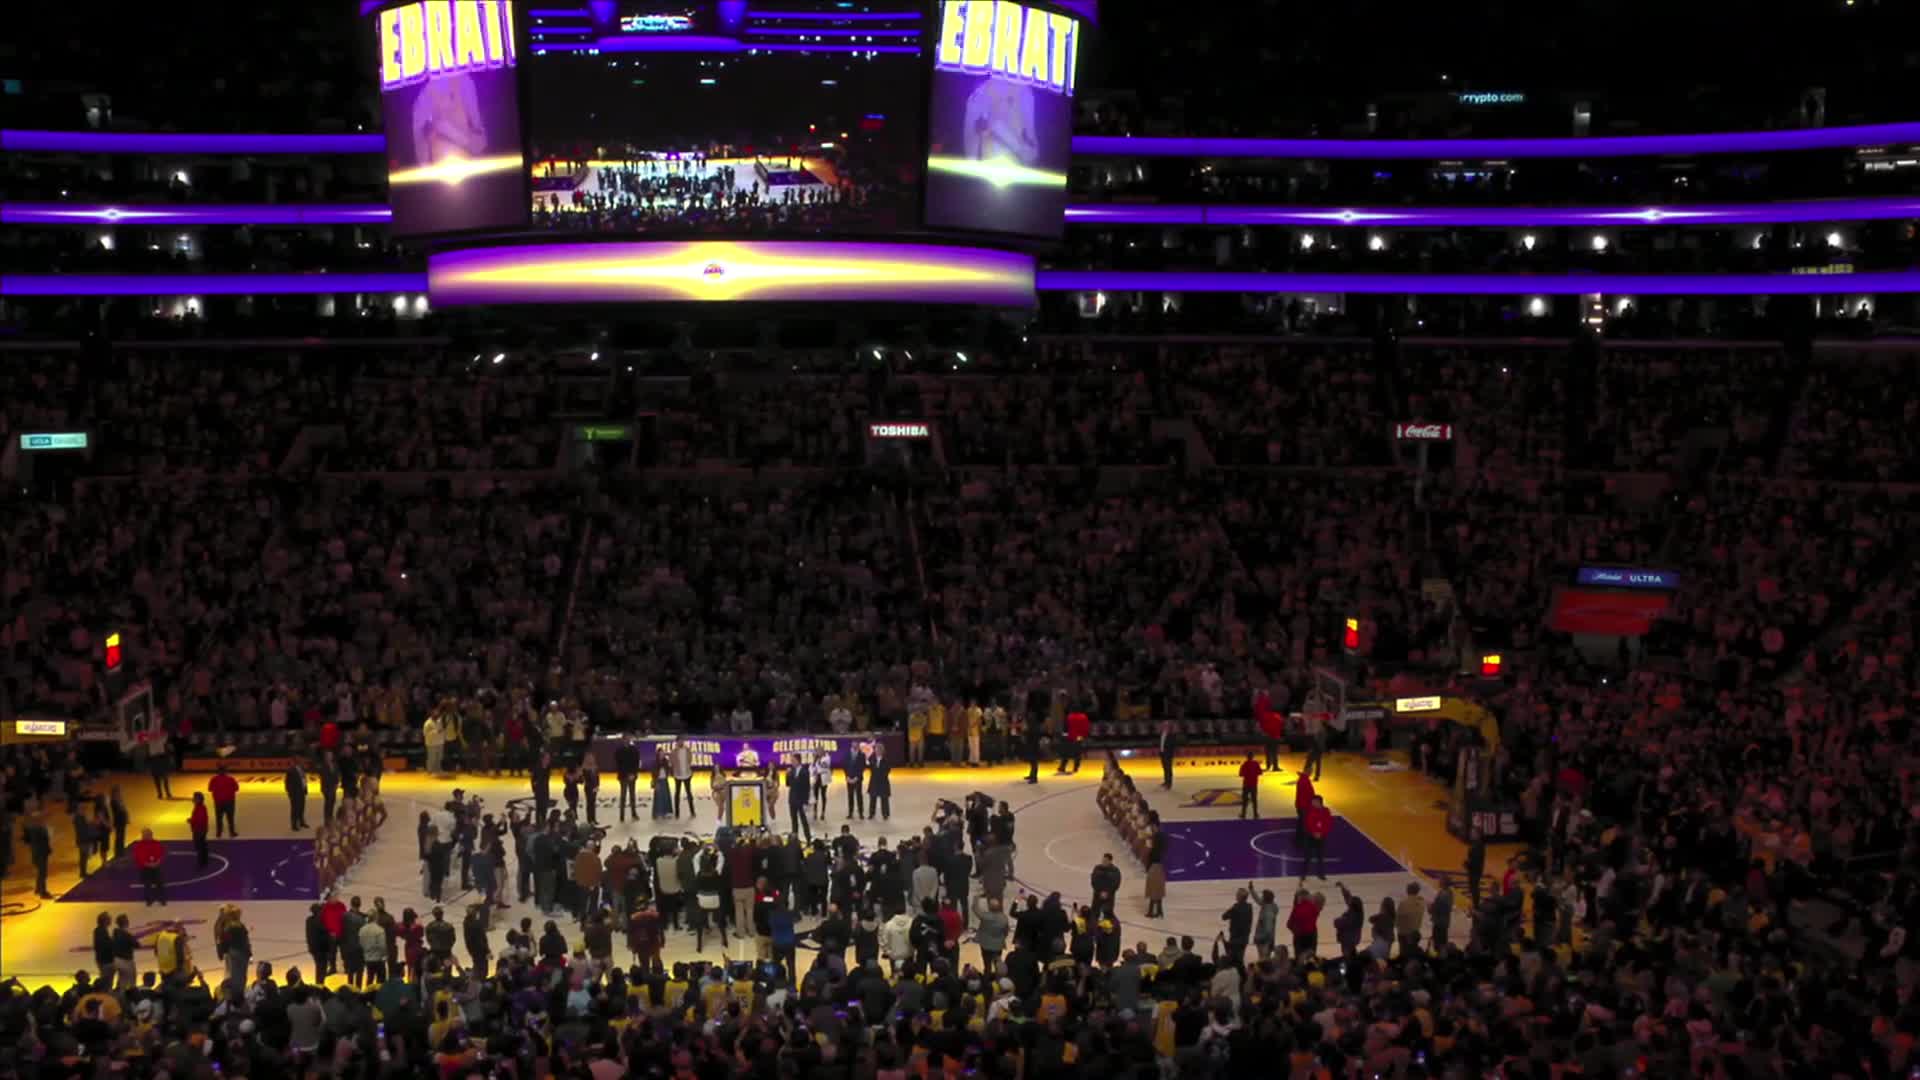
148 856
1302 803
1250 771
1078 727
1318 826
225 791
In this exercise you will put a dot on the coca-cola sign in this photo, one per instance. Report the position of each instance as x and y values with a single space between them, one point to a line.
1424 432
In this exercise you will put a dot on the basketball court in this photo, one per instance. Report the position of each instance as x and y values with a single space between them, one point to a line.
1389 831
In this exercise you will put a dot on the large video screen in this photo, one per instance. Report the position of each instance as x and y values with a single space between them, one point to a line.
450 99
712 119
1001 118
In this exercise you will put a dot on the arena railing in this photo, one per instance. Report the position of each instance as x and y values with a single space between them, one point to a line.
1786 211
1593 146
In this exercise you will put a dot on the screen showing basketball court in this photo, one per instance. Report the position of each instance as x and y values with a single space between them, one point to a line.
450 101
712 119
1001 117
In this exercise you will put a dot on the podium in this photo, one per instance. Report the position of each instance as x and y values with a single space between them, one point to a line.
746 799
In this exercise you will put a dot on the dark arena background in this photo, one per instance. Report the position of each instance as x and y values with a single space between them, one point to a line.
958 538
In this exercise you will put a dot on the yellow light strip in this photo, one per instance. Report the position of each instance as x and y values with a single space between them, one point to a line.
999 173
724 271
454 170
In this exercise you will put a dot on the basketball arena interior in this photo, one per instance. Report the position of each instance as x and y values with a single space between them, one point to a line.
870 538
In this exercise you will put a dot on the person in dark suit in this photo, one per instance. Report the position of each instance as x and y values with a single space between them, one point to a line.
329 786
626 764
1169 746
880 786
160 767
297 794
40 848
117 807
542 778
1476 866
799 795
856 781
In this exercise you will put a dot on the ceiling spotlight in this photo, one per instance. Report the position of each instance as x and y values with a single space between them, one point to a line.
1528 241
499 358
1536 307
1376 242
1599 243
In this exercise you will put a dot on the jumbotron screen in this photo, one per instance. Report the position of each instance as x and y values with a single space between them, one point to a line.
713 118
1001 117
450 99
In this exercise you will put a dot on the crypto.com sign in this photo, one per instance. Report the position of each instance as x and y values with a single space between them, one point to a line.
1419 432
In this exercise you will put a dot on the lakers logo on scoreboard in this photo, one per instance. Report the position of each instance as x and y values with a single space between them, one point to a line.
1218 796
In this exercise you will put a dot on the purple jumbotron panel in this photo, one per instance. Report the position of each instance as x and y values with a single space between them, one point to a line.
56 213
1237 850
1801 211
235 870
724 270
450 96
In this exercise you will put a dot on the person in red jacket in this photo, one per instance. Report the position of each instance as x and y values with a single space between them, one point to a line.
1078 727
226 793
1250 771
148 855
330 736
197 824
1273 728
1318 826
1304 922
333 916
1302 802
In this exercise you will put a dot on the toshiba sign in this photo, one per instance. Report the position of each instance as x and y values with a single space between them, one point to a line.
899 431
1424 432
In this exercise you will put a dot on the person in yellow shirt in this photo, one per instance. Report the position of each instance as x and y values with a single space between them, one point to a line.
917 737
956 733
997 730
937 727
976 722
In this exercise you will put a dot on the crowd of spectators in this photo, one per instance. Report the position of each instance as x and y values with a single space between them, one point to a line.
1847 429
466 422
1290 407
775 600
1771 727
1092 419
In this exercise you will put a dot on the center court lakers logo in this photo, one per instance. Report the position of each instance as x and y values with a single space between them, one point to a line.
713 271
1218 796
